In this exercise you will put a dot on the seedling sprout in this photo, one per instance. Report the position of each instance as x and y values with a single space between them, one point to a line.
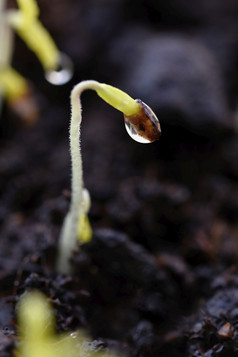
141 124
57 66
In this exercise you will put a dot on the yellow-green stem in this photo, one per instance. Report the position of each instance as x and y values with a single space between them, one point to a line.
120 101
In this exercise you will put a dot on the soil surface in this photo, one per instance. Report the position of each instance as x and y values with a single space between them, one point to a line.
160 276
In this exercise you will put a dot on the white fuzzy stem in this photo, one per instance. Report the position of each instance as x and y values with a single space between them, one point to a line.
68 236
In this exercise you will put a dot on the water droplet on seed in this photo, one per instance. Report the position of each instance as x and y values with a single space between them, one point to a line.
143 127
63 74
134 133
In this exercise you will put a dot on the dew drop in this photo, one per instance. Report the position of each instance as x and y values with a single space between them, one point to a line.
63 74
143 127
134 134
74 334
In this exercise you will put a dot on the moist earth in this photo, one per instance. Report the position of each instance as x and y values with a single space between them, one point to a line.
159 277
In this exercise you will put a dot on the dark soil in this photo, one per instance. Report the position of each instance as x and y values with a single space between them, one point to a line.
160 277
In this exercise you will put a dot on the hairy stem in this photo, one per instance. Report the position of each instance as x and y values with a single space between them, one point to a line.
79 201
68 236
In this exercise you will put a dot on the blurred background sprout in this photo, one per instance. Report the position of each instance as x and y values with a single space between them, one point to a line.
57 66
38 338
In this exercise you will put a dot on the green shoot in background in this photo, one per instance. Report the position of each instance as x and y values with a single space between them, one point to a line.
58 67
37 336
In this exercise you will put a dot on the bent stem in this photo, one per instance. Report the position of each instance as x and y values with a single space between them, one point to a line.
68 233
120 101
